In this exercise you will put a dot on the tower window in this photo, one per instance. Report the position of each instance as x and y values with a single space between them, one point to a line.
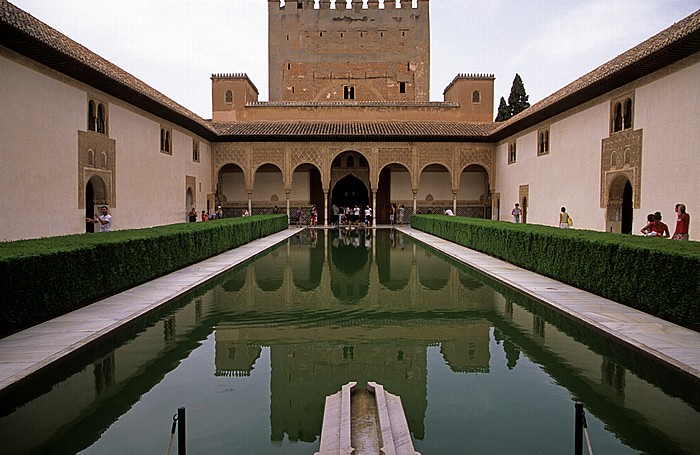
402 87
229 97
476 97
349 92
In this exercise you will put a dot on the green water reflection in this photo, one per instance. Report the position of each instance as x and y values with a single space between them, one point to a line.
253 354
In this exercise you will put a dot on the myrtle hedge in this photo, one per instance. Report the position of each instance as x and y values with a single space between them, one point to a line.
44 278
654 275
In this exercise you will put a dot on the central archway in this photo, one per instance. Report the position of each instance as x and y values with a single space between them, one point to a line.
350 191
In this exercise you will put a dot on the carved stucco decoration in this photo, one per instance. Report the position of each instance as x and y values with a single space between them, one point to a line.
621 156
229 154
484 157
444 156
97 157
395 155
306 155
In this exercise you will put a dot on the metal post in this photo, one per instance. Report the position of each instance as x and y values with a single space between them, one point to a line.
181 432
578 429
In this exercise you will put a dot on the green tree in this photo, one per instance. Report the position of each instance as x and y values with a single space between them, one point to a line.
503 111
518 99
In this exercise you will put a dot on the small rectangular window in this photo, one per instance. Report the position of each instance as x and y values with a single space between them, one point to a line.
512 153
402 87
349 92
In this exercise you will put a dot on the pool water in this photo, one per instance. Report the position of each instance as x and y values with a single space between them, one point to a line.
252 355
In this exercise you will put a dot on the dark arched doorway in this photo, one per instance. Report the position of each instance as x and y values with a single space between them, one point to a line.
350 191
95 195
89 207
620 211
627 209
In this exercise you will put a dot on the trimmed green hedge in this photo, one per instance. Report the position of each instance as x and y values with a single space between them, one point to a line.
657 276
44 278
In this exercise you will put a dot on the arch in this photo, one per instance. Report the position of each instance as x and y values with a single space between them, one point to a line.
306 187
474 192
307 264
269 272
434 188
231 186
627 116
433 271
268 184
101 119
349 191
189 200
92 116
620 204
394 268
476 97
617 117
393 186
350 265
96 194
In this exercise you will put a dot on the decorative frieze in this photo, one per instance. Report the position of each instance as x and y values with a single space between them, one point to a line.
621 158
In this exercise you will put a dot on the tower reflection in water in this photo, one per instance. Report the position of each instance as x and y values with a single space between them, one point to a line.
348 314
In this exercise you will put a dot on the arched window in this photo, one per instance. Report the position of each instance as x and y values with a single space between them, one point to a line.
229 97
101 123
350 161
627 117
617 118
162 139
543 142
476 97
92 116
167 141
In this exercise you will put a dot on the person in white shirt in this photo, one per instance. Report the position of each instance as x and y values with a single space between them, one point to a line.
104 220
449 212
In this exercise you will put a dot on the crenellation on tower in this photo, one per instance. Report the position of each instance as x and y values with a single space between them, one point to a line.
321 37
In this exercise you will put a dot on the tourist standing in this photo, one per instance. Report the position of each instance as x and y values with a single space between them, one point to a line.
682 223
402 211
392 214
192 216
564 219
516 212
104 220
299 213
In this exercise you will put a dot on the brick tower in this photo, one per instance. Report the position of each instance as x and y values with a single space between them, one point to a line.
338 50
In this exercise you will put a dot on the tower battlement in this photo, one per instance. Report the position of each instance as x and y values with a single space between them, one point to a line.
336 50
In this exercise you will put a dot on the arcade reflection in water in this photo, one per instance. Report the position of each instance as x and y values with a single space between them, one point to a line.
329 307
350 314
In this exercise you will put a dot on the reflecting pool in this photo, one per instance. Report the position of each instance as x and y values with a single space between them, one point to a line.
251 356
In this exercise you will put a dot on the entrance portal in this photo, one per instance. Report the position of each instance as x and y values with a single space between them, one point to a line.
350 191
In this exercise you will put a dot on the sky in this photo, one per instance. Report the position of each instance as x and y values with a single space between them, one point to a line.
176 45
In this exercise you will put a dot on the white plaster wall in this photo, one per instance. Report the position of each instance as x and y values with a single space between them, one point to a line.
266 185
472 185
41 117
568 176
301 187
401 186
668 110
151 185
39 122
233 186
437 184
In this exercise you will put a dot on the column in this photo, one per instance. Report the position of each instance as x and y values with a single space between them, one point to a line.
325 208
250 203
289 221
374 209
454 203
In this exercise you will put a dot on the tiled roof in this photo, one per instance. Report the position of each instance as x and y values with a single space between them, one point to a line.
28 36
668 46
437 131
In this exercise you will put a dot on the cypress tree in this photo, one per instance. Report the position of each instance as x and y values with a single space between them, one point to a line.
518 99
503 111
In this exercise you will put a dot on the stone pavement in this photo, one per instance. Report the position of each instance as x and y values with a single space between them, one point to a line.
25 353
662 340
